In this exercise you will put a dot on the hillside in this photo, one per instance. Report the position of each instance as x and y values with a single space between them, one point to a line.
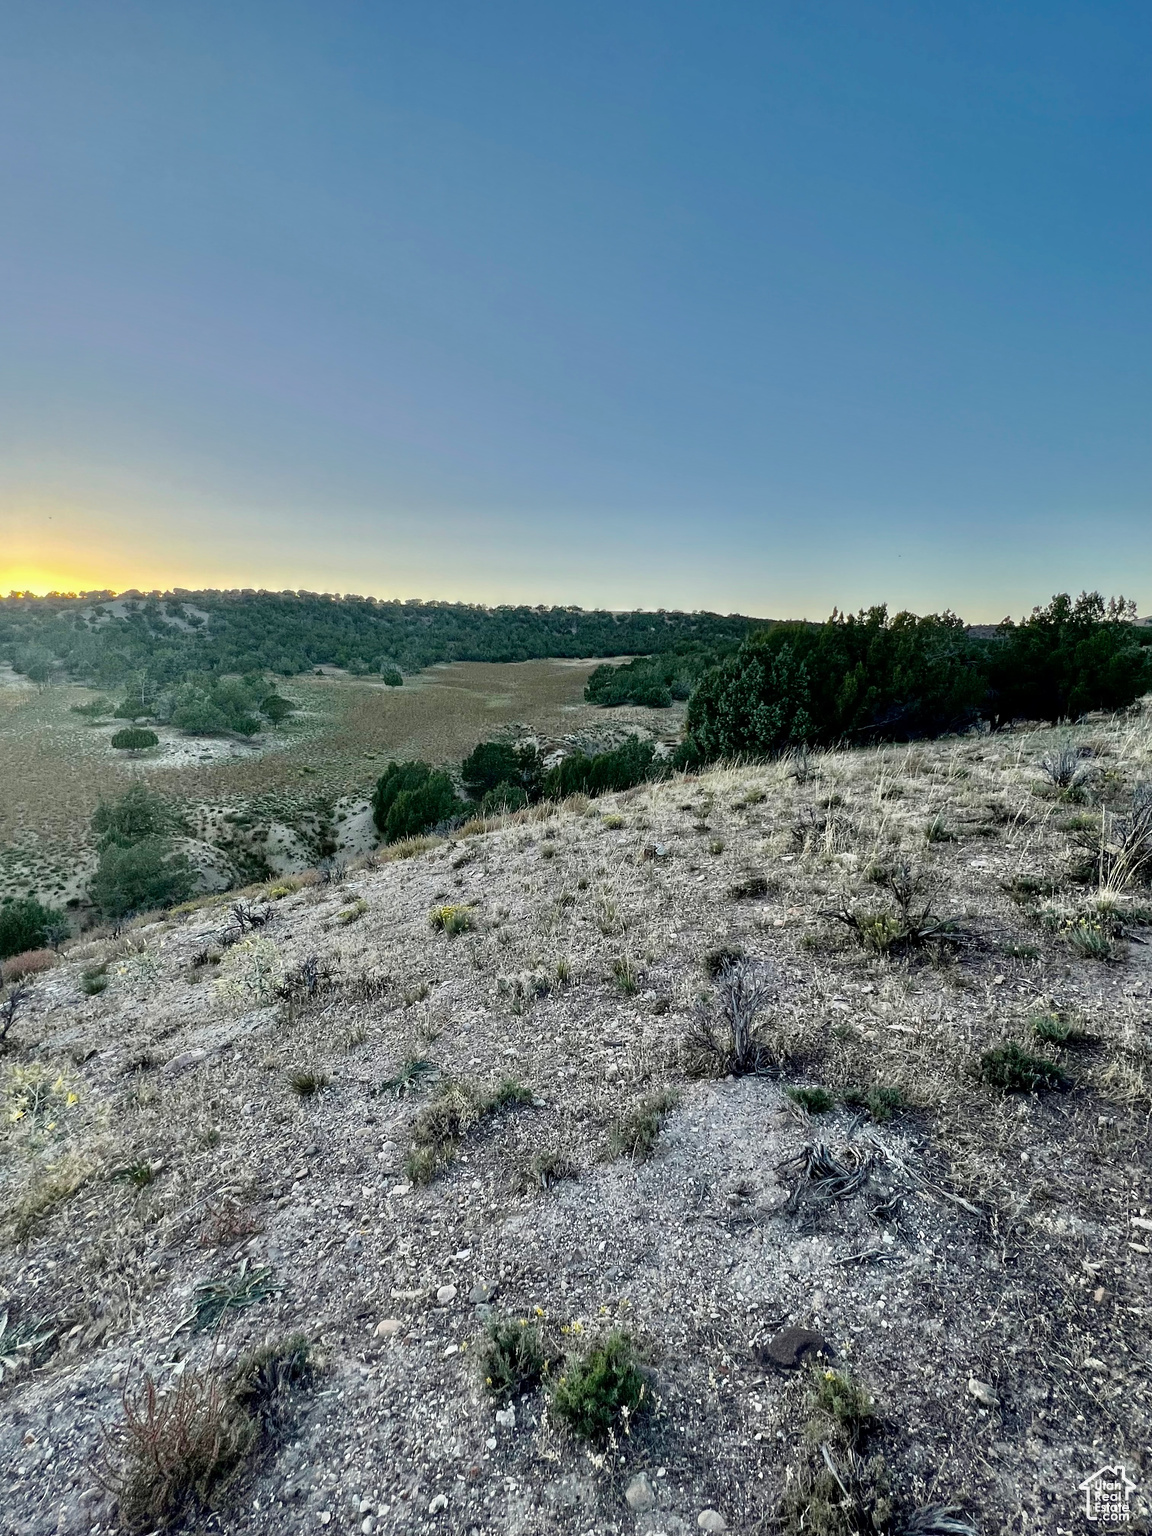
196 1095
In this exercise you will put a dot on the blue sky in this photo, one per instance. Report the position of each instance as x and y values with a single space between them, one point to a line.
750 307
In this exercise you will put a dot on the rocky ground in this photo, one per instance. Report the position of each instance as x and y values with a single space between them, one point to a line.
985 1280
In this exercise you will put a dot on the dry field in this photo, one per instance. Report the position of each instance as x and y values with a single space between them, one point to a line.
55 768
214 1129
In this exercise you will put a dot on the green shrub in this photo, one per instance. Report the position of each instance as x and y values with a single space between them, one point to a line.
135 739
503 800
410 798
603 1394
498 767
140 813
450 919
579 774
817 1101
27 924
275 708
141 877
1067 659
392 677
1015 1070
513 1358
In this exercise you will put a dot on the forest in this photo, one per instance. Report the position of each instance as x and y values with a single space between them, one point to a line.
105 641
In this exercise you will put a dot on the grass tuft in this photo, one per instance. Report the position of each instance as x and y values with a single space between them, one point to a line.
1014 1070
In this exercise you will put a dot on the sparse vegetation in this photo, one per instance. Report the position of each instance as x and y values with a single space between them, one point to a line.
636 1133
450 919
725 1037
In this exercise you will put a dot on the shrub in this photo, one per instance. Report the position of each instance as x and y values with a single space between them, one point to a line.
410 798
450 919
619 769
816 1101
603 1394
307 1082
141 878
728 1039
27 924
176 1449
276 709
140 813
503 800
500 766
513 1358
1015 1070
29 963
391 677
439 1126
135 739
1067 659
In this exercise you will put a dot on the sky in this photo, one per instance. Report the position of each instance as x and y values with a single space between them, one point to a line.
759 308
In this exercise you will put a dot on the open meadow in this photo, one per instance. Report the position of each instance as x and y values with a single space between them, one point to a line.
318 766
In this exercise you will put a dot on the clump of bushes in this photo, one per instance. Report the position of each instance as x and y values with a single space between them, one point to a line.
626 765
411 798
135 739
871 676
27 924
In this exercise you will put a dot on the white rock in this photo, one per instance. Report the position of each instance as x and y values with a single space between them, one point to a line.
438 1503
367 1525
367 1507
639 1493
711 1520
446 1295
982 1392
506 1417
387 1328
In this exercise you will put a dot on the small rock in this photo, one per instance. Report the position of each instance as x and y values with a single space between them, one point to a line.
711 1520
325 1517
483 1291
184 1062
1100 1295
354 1244
639 1493
790 1349
506 1417
982 1392
387 1328
446 1295
491 1442
367 1507
438 1503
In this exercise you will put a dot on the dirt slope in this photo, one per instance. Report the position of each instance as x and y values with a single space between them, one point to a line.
987 1282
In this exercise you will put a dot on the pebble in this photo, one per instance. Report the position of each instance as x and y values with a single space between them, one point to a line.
1099 1295
445 1295
367 1525
711 1520
483 1291
387 1328
639 1493
438 1503
506 1417
367 1507
982 1392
